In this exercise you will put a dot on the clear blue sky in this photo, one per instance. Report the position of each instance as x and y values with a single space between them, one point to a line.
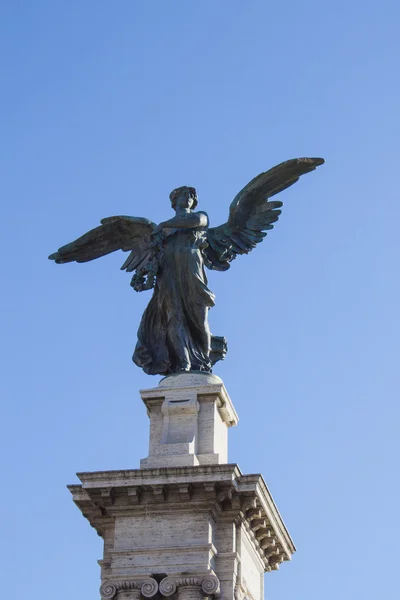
107 106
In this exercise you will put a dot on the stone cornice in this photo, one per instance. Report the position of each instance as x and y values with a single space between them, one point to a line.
221 489
269 509
165 475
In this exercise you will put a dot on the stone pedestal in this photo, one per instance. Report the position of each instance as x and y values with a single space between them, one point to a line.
189 419
187 524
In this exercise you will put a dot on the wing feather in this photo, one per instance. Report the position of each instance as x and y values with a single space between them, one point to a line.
114 233
251 213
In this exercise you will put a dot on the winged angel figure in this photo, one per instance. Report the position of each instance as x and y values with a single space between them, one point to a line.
174 334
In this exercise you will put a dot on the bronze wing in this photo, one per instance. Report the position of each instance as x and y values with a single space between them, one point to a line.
251 213
114 233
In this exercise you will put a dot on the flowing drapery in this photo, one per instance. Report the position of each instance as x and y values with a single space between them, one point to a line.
174 334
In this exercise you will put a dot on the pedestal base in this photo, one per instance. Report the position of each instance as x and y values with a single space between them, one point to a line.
189 419
184 523
191 526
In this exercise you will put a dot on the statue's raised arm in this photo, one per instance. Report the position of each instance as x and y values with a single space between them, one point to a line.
251 213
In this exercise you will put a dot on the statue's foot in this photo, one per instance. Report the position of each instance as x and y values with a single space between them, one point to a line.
183 367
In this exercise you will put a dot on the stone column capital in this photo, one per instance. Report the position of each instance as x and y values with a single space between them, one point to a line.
145 587
207 585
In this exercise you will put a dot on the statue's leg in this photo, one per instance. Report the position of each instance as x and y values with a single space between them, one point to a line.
201 340
177 346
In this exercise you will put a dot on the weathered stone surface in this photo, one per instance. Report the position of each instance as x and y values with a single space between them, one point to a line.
184 523
192 526
190 414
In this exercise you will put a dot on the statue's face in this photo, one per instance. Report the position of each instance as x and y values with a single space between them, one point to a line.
183 200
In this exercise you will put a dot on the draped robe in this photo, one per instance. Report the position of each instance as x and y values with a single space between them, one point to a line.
174 334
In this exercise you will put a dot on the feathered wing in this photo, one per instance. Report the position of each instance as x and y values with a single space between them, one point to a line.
114 233
251 213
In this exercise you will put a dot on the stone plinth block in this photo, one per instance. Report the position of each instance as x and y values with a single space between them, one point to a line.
189 418
185 532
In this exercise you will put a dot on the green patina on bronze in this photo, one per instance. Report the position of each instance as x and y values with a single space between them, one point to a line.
174 334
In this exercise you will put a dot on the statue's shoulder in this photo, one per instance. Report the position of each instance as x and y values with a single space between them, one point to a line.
203 212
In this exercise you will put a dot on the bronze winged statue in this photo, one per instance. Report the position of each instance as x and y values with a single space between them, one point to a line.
174 334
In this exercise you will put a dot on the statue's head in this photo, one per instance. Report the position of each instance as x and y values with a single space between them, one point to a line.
185 197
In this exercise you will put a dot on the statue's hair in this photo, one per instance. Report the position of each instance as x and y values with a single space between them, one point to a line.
191 191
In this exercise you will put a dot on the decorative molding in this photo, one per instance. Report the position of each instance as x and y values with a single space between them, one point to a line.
108 590
248 502
225 493
269 545
167 586
159 492
258 523
267 542
244 499
263 532
253 513
188 582
148 587
275 561
133 493
185 491
209 584
273 551
209 489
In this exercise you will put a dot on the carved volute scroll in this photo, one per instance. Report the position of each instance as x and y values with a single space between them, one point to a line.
131 590
149 588
210 585
108 590
167 586
190 588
